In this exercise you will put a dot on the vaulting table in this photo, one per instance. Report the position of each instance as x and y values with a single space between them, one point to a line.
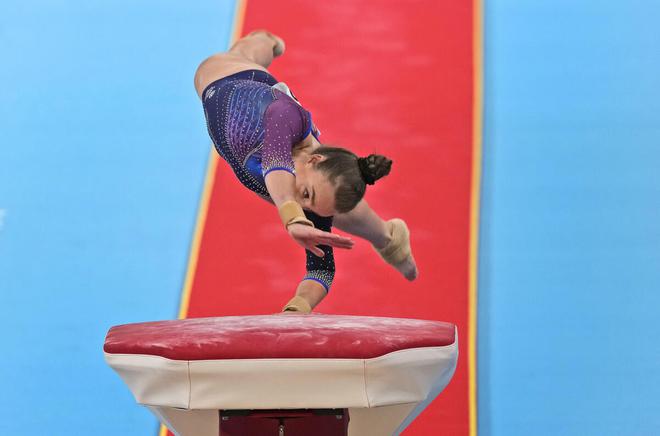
284 374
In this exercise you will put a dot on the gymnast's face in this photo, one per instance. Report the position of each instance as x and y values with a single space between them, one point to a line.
313 189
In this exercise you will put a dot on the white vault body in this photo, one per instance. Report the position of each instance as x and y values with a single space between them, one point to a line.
383 371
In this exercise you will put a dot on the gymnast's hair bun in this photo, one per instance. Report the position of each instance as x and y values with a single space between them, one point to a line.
373 167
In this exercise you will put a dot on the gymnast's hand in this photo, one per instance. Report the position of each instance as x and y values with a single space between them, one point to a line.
309 237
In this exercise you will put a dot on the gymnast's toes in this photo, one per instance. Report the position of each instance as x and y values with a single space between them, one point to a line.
409 268
279 48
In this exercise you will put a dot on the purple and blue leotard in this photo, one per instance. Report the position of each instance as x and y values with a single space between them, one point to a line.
254 128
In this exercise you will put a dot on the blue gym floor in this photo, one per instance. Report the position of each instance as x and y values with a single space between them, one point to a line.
102 158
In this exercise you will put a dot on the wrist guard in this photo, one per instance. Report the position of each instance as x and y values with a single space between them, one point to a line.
292 213
297 304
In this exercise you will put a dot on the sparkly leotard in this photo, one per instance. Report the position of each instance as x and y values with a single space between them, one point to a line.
254 127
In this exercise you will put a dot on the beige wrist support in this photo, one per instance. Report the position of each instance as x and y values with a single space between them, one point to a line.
292 213
398 249
297 304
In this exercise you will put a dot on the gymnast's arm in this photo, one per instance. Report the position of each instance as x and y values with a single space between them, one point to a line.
283 128
281 187
320 270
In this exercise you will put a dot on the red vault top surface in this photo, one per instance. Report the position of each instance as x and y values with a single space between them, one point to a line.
277 337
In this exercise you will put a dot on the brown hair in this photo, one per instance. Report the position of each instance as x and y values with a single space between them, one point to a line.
351 174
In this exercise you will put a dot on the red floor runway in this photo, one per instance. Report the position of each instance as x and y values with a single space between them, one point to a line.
394 78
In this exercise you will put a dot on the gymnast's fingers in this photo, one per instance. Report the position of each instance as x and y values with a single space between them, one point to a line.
316 250
334 239
336 243
342 239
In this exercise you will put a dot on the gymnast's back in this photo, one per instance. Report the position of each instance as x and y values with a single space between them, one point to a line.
254 125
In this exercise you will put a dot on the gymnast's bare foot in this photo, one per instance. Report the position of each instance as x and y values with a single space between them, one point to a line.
397 251
408 268
278 49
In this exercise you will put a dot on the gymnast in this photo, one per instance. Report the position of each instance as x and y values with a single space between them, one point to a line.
271 144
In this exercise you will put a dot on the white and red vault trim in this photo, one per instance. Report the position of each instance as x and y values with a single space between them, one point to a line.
380 390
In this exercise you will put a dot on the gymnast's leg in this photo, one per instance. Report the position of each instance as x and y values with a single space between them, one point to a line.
259 47
363 221
254 51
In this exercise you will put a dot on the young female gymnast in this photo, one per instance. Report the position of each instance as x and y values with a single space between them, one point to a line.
271 143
